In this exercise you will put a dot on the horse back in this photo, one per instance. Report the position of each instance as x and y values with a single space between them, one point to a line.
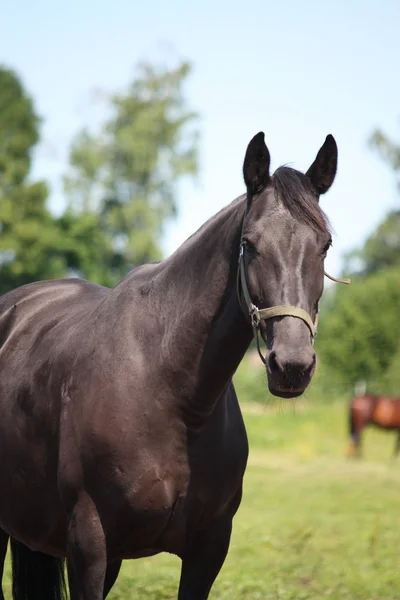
38 323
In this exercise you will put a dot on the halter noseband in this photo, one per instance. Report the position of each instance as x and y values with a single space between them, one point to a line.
258 314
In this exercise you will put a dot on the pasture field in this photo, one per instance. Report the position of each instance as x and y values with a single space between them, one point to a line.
312 524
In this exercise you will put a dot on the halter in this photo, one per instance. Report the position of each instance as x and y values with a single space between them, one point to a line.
258 314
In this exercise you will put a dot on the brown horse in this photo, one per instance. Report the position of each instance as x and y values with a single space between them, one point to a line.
121 434
381 411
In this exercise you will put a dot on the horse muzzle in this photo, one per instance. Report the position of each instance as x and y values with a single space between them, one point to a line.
289 373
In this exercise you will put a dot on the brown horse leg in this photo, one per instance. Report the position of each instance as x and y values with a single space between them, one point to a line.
87 558
3 551
354 449
355 428
203 561
111 576
397 445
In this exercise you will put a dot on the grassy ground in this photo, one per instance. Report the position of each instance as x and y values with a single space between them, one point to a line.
312 524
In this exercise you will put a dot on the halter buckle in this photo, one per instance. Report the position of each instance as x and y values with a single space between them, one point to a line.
254 315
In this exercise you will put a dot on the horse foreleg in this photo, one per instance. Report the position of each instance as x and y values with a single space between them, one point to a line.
203 560
86 550
356 426
109 580
3 551
354 448
111 576
397 445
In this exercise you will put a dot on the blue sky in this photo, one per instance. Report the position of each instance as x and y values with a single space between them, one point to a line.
296 70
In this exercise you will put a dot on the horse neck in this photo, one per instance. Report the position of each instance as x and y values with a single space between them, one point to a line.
206 333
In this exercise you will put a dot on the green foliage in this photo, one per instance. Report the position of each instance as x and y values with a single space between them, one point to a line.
18 130
389 383
29 240
86 250
359 337
125 176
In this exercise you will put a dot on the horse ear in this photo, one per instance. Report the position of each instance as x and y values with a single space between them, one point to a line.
256 164
323 170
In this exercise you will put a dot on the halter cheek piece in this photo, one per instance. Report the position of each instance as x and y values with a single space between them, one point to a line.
258 314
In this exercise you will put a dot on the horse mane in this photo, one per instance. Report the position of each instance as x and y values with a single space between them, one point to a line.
296 193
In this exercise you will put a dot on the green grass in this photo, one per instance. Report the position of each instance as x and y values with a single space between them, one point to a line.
312 524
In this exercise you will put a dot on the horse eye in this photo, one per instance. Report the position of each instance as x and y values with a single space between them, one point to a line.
326 248
250 246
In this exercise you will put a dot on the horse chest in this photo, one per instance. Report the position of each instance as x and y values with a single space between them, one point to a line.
171 504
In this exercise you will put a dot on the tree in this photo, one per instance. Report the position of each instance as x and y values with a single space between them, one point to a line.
389 383
360 334
29 237
123 178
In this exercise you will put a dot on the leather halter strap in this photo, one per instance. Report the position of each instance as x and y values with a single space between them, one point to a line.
345 280
258 314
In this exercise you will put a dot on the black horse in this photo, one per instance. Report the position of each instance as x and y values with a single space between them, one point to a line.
120 430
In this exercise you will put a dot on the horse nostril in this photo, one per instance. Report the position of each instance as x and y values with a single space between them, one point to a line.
294 368
273 363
